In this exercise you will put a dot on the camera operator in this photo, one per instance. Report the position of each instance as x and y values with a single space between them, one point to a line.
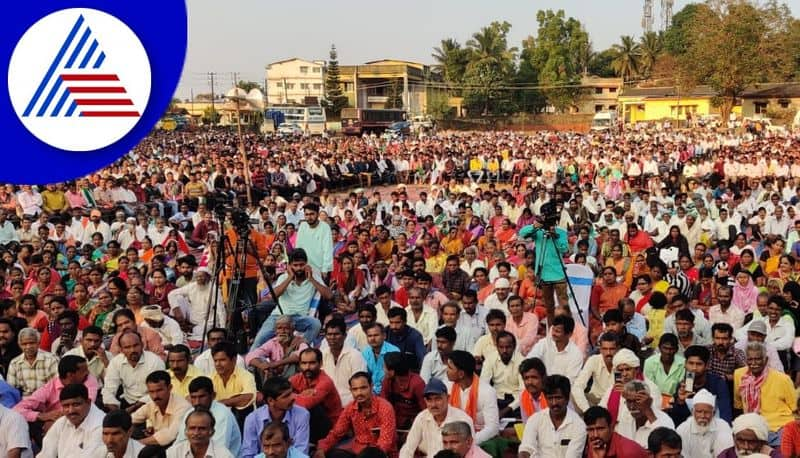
297 290
257 243
551 245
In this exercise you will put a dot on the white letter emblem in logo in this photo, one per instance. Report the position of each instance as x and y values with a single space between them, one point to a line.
79 79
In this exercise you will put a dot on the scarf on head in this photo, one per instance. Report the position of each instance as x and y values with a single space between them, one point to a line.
528 406
472 401
750 390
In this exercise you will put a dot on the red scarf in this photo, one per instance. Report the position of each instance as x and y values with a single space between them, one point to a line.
614 401
750 390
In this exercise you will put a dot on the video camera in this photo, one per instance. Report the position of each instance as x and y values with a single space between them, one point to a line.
239 218
550 214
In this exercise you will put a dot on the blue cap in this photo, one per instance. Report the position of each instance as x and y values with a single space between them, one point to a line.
435 386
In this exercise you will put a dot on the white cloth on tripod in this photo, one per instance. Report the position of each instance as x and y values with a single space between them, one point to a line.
580 278
193 301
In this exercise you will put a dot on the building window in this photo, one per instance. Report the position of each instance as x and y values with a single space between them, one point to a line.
348 87
289 85
316 69
612 107
317 86
783 103
598 108
682 110
303 85
598 90
279 84
612 89
760 107
304 69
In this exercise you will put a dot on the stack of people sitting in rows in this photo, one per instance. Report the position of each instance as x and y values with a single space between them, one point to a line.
408 321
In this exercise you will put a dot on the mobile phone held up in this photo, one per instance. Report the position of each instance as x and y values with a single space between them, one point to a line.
688 382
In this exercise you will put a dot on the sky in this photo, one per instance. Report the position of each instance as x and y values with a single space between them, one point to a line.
243 36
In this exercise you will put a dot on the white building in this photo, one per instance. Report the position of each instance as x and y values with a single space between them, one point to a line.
294 80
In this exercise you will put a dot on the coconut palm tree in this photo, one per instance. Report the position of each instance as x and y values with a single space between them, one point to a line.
626 58
651 46
451 59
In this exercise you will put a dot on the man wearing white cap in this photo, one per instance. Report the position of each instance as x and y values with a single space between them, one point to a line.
499 298
626 367
750 433
190 304
704 434
165 326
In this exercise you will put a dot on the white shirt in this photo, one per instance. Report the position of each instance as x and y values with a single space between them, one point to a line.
542 439
602 379
193 301
493 302
134 447
427 323
14 432
63 439
120 372
487 418
712 442
350 361
184 450
567 362
626 426
425 434
170 331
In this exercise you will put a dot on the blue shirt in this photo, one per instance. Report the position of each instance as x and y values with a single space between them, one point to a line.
375 364
637 326
296 419
9 396
226 429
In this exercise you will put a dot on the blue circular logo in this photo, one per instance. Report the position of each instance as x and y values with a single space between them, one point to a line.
86 83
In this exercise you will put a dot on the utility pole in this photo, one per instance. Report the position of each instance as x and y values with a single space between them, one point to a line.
213 109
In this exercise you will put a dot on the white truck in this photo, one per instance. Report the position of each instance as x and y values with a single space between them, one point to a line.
604 121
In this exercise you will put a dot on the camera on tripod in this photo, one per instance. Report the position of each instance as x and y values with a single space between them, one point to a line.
240 220
550 214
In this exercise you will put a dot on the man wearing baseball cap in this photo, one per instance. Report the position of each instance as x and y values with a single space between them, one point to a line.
757 332
425 435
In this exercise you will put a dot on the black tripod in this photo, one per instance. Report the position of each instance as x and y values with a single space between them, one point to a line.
236 303
548 237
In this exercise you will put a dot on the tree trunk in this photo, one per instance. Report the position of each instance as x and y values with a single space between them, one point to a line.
725 108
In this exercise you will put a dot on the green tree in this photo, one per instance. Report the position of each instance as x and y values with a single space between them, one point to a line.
558 53
210 116
491 65
676 36
650 47
451 60
626 58
335 100
249 86
601 64
529 100
732 44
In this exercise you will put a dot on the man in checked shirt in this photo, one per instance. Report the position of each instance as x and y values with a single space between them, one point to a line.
371 418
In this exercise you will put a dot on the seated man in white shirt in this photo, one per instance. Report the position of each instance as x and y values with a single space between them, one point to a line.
425 435
599 369
79 431
644 417
559 354
703 434
15 441
166 327
556 431
160 416
465 386
129 369
117 429
199 428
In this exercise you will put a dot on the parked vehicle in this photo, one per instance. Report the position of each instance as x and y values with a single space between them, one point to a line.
604 120
290 129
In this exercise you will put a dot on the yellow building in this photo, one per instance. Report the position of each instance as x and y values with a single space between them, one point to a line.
657 103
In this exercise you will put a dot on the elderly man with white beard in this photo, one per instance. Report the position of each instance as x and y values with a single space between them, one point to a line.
703 433
750 432
190 304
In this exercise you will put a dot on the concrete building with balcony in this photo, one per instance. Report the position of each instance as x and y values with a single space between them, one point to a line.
373 84
601 94
295 81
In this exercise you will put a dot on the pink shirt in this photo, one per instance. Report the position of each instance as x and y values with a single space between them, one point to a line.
526 332
45 399
272 351
476 452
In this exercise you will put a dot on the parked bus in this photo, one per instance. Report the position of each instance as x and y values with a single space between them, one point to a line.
356 121
311 119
